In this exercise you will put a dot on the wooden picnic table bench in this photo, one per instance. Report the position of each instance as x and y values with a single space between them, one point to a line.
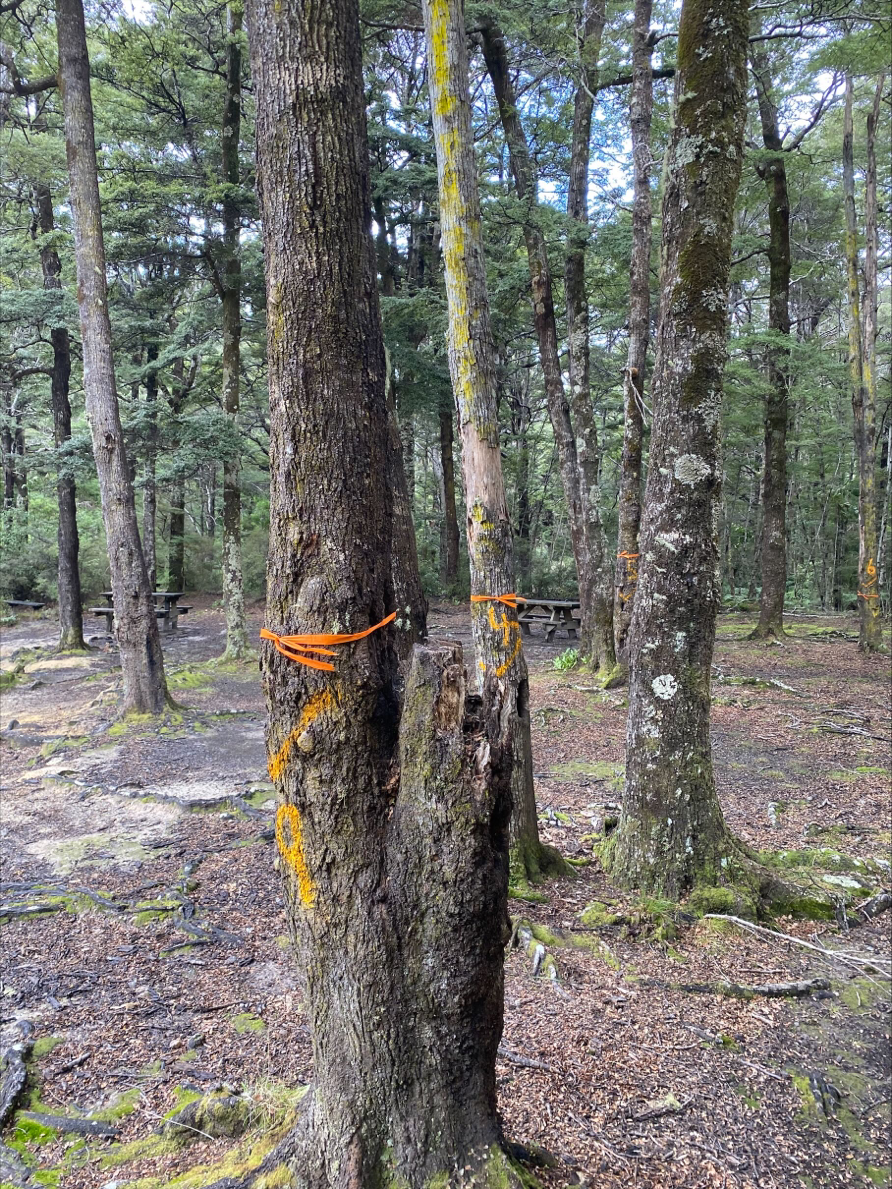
26 604
554 615
171 609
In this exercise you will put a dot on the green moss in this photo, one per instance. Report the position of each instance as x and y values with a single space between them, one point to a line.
44 1045
189 677
278 1178
597 916
706 899
29 1131
606 771
120 1106
247 1022
65 743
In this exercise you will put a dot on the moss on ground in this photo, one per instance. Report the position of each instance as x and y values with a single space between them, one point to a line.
246 1021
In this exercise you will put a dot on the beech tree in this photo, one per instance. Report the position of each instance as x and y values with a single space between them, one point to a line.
497 635
629 496
671 832
393 829
136 628
870 636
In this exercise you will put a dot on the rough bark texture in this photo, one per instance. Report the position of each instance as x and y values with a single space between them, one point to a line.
136 628
449 552
774 476
864 409
233 593
596 635
497 637
149 499
869 560
671 832
394 849
629 496
71 620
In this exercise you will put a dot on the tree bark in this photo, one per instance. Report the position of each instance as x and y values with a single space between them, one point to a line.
233 592
629 496
774 478
142 663
449 557
863 408
869 556
150 494
497 638
71 619
671 833
393 847
596 629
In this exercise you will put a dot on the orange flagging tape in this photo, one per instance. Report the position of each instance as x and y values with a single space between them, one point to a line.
628 555
510 600
862 595
295 648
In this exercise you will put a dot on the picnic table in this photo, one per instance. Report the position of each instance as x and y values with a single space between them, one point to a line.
167 606
554 615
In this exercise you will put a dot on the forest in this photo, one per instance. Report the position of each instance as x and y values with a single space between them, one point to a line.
512 386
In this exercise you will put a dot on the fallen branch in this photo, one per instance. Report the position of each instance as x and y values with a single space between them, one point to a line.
846 958
524 1062
874 906
793 990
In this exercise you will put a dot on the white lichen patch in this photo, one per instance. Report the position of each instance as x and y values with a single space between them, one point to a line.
691 468
664 686
680 640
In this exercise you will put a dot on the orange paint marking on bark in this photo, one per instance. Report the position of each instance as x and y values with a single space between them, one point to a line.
295 648
292 851
505 626
317 705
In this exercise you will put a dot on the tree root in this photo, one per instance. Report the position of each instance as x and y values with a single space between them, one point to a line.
795 990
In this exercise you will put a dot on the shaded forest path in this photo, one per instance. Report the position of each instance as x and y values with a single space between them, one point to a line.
145 948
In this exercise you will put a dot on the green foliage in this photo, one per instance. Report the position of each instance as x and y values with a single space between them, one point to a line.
567 660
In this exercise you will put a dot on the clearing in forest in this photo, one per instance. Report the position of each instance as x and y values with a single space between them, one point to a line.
146 964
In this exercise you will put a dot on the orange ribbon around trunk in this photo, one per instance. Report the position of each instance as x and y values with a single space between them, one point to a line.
510 600
295 648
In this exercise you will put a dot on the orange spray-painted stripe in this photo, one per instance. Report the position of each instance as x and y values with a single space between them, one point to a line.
295 648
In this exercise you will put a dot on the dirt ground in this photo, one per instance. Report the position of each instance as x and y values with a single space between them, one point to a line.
145 951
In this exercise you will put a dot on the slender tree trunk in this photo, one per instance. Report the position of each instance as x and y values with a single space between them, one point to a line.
629 497
394 849
233 592
71 619
149 499
671 832
8 455
449 564
411 604
870 637
774 479
596 641
176 544
142 664
497 636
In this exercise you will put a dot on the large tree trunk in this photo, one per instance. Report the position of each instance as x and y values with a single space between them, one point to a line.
629 496
71 619
774 478
233 593
870 637
596 586
394 850
863 407
497 637
671 832
142 664
449 558
150 495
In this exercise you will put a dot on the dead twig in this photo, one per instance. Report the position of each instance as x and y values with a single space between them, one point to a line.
858 962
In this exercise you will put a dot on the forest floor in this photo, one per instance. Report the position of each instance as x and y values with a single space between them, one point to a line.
145 949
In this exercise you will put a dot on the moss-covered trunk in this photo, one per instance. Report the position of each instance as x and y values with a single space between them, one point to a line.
136 628
497 636
774 475
671 832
